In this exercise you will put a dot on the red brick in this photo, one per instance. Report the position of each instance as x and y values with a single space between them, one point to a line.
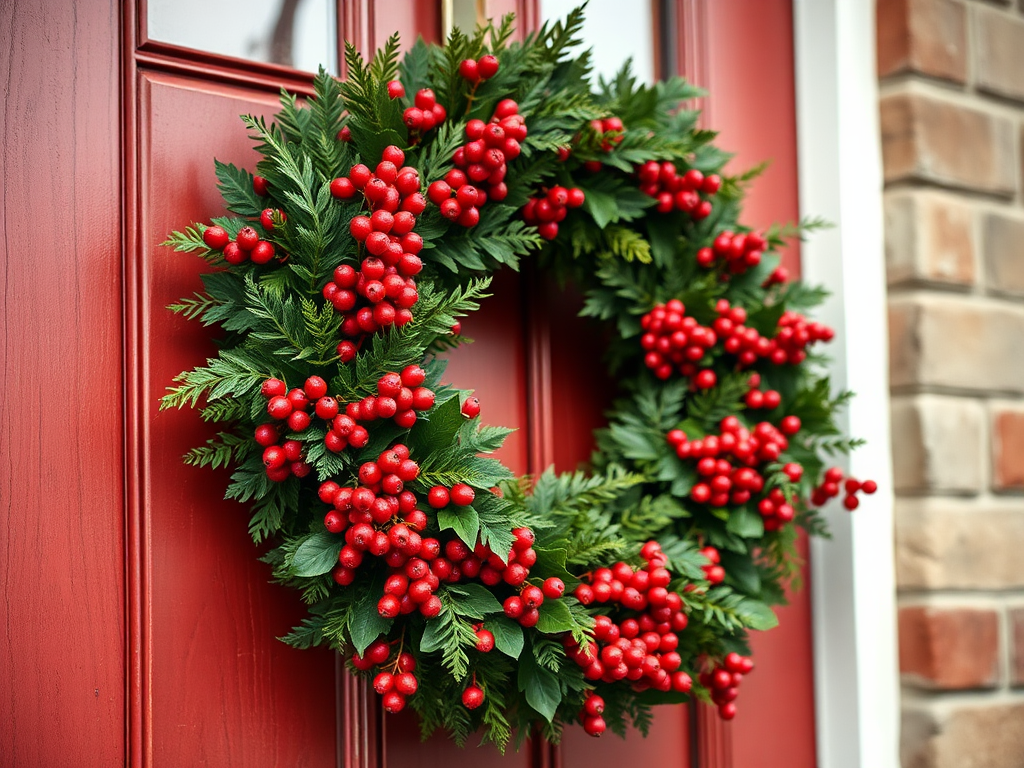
949 648
954 543
999 53
924 36
937 140
929 237
945 340
937 444
1016 616
978 736
1001 246
1008 448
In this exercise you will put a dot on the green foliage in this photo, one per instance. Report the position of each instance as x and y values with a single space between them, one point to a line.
624 256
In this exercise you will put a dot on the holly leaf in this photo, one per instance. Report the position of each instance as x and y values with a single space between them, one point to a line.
463 520
744 522
508 635
473 600
438 430
555 617
433 638
317 555
366 624
540 685
756 614
741 573
551 562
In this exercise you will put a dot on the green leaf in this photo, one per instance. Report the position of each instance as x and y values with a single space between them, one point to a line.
741 573
433 637
473 600
541 687
366 624
463 520
438 430
551 562
757 615
744 522
508 635
317 554
555 617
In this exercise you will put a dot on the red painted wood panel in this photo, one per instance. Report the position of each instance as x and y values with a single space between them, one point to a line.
223 690
752 103
61 561
409 18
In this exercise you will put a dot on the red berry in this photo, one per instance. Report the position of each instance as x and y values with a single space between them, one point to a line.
438 497
487 66
388 606
705 379
553 588
279 407
406 683
395 89
594 726
259 185
425 99
472 697
216 237
247 238
461 494
469 70
393 701
263 253
315 388
484 640
471 408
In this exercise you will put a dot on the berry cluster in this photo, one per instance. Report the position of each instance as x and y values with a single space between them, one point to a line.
730 465
713 570
460 494
610 132
674 341
550 207
384 283
830 487
768 399
795 333
379 517
399 396
792 336
424 115
290 406
246 246
641 645
396 679
678 192
738 252
525 607
483 68
590 715
480 165
724 681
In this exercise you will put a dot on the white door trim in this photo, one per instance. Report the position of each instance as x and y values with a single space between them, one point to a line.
852 576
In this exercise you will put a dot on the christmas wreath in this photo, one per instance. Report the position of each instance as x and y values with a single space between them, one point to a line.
379 211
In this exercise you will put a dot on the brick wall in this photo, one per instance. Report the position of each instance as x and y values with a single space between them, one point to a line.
952 116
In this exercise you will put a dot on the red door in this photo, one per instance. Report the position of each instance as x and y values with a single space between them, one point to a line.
195 667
